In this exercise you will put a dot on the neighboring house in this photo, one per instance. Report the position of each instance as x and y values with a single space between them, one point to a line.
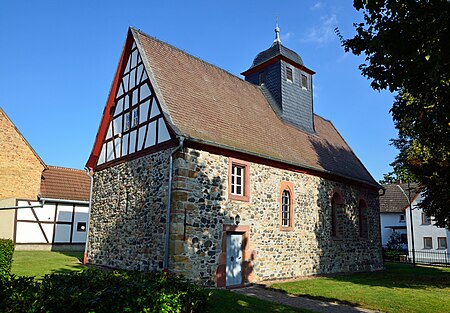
392 212
41 206
225 180
430 241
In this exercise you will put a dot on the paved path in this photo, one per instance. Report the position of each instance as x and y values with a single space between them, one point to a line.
297 302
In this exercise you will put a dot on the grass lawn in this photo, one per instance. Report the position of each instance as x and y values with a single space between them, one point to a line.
225 301
39 263
399 288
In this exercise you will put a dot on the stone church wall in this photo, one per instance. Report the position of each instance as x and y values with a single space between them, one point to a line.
129 207
201 186
128 217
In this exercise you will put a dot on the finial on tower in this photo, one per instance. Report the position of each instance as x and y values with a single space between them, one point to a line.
277 33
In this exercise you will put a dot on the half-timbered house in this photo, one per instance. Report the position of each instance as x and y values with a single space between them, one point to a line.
225 180
41 206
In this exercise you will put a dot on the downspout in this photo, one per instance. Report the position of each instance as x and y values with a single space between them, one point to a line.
169 199
91 177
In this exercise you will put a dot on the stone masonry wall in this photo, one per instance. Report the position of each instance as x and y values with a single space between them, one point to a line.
20 169
201 207
128 217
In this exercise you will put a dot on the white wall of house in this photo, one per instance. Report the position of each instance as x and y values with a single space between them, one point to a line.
422 231
391 222
60 223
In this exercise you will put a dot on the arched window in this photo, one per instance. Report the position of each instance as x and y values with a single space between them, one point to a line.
362 219
287 206
337 223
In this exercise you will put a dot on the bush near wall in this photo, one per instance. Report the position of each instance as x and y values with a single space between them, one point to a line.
6 255
99 291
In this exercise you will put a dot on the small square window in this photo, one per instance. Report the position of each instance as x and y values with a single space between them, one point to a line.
427 243
289 76
261 78
135 120
402 218
127 122
304 81
426 220
81 226
442 243
239 180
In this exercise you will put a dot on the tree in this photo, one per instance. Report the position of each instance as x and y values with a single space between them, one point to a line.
406 47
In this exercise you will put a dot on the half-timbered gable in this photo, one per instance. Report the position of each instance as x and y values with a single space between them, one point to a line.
242 183
134 121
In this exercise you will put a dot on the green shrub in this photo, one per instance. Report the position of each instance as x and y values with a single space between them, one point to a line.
99 291
6 254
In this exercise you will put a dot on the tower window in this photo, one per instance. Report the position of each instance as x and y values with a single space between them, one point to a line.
262 78
304 81
289 76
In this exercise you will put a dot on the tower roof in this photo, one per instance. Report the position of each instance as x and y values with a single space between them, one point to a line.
275 50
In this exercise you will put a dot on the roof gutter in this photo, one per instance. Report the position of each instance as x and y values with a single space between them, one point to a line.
91 177
169 200
24 206
64 201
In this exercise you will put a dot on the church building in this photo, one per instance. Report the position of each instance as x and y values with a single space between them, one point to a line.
225 180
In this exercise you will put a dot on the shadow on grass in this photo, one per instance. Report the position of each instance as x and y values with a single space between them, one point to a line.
226 301
394 276
401 276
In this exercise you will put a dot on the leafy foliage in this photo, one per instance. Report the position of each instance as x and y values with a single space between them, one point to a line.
407 51
395 242
6 255
99 291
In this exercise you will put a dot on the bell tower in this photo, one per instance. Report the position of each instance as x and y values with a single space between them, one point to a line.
286 82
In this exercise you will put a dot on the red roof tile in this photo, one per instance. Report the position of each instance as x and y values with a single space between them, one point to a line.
65 183
210 105
394 201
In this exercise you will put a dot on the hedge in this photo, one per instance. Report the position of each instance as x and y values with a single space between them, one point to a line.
6 255
98 291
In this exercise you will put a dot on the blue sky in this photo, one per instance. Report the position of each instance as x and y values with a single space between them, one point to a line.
58 59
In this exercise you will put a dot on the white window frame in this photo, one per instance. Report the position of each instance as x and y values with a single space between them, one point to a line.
285 208
237 172
292 74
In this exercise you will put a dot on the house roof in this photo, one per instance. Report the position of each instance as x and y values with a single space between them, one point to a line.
65 183
23 138
394 201
208 105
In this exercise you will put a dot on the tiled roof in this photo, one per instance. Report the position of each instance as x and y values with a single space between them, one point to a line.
212 106
275 50
394 201
65 183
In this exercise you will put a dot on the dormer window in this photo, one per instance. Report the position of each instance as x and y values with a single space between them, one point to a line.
289 76
304 81
261 78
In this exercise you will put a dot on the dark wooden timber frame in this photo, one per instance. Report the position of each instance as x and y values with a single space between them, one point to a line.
109 112
129 106
54 222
